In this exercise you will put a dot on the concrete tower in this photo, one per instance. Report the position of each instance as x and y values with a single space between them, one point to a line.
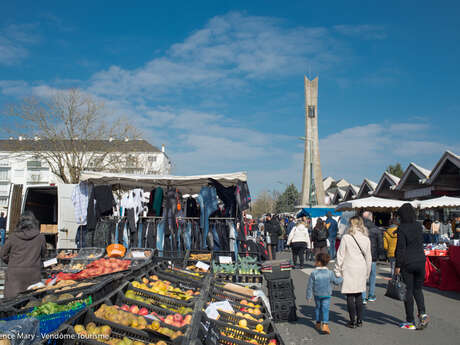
312 184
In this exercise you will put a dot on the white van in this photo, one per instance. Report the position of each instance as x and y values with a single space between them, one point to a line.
52 205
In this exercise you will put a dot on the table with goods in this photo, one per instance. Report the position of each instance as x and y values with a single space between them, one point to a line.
164 299
442 266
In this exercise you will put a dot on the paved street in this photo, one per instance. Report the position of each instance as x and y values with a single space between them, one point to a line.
381 318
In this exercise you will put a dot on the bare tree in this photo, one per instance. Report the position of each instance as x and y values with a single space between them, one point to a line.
264 203
72 132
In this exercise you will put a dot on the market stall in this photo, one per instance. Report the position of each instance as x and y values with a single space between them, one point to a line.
371 204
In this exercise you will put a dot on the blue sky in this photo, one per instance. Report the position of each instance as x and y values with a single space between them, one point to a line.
221 83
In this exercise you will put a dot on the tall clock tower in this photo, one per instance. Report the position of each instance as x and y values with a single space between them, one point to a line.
312 183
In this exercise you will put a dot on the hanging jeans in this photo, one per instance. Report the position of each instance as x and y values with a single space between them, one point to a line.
208 205
215 235
150 234
232 236
188 235
125 235
102 233
79 237
160 237
140 236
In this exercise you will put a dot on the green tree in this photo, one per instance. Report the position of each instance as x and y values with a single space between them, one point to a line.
287 201
396 170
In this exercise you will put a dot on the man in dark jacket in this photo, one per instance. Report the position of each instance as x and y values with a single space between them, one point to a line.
410 262
272 230
377 250
23 252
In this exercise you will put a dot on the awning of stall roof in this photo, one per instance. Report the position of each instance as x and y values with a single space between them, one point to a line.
441 202
186 184
372 204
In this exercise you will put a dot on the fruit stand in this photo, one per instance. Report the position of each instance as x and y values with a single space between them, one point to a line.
159 301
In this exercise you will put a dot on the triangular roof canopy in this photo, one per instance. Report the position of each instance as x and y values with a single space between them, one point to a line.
338 196
328 182
367 188
449 164
413 175
342 183
352 192
387 181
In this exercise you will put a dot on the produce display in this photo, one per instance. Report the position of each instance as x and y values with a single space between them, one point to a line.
201 257
125 318
103 266
224 268
103 335
132 295
248 265
66 255
52 308
51 298
147 254
164 288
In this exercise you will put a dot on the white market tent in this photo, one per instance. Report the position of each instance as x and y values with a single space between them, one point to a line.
441 202
187 184
371 203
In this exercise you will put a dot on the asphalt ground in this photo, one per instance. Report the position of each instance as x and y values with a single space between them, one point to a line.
381 318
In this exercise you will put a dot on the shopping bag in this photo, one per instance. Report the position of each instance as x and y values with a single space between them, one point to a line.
396 289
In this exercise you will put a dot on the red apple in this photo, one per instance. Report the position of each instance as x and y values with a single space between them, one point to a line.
125 307
143 311
178 317
169 320
134 309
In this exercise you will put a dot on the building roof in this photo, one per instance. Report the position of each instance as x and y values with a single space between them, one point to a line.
327 182
31 145
370 184
392 180
342 183
413 168
447 156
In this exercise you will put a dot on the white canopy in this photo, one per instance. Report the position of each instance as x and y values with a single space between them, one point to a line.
442 202
187 184
371 203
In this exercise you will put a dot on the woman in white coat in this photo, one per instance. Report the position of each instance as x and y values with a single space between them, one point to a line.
353 263
299 240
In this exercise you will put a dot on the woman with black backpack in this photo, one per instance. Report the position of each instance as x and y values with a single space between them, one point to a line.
319 237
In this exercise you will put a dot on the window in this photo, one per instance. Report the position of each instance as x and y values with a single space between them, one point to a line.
34 164
19 173
152 159
4 201
311 111
4 162
4 174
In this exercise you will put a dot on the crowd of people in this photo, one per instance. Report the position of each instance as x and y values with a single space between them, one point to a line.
354 252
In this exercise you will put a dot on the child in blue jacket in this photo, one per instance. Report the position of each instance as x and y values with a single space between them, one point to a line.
320 286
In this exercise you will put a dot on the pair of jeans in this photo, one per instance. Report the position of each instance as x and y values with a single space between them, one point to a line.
298 249
392 265
372 278
332 252
414 275
3 233
280 245
355 306
273 248
79 237
322 308
208 205
434 238
160 236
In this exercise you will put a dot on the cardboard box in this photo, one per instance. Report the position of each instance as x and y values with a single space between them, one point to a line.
49 228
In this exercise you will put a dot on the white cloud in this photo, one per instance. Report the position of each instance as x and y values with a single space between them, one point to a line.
14 42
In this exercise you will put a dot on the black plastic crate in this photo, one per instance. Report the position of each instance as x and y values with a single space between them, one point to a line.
118 331
282 306
218 253
91 253
224 277
208 259
250 278
281 294
218 332
235 319
175 282
168 257
280 284
288 315
181 274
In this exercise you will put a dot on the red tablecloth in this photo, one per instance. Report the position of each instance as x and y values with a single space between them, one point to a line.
443 272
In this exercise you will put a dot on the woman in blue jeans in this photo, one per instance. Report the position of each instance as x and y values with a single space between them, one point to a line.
320 286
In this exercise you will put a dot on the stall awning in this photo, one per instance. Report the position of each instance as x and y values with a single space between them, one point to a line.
372 204
187 184
442 202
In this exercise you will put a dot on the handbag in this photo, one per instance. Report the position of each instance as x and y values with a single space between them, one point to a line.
396 289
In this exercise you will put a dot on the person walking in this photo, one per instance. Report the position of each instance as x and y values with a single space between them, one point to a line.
23 252
282 237
410 262
390 238
353 264
2 228
333 229
377 250
273 231
299 240
435 230
320 286
319 237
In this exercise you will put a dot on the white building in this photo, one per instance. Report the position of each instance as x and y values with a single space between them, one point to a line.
20 164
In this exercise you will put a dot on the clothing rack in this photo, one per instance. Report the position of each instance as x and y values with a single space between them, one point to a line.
222 218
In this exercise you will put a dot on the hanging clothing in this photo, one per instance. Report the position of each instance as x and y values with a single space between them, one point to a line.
134 200
155 202
80 197
243 197
192 209
228 196
100 203
102 233
208 204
